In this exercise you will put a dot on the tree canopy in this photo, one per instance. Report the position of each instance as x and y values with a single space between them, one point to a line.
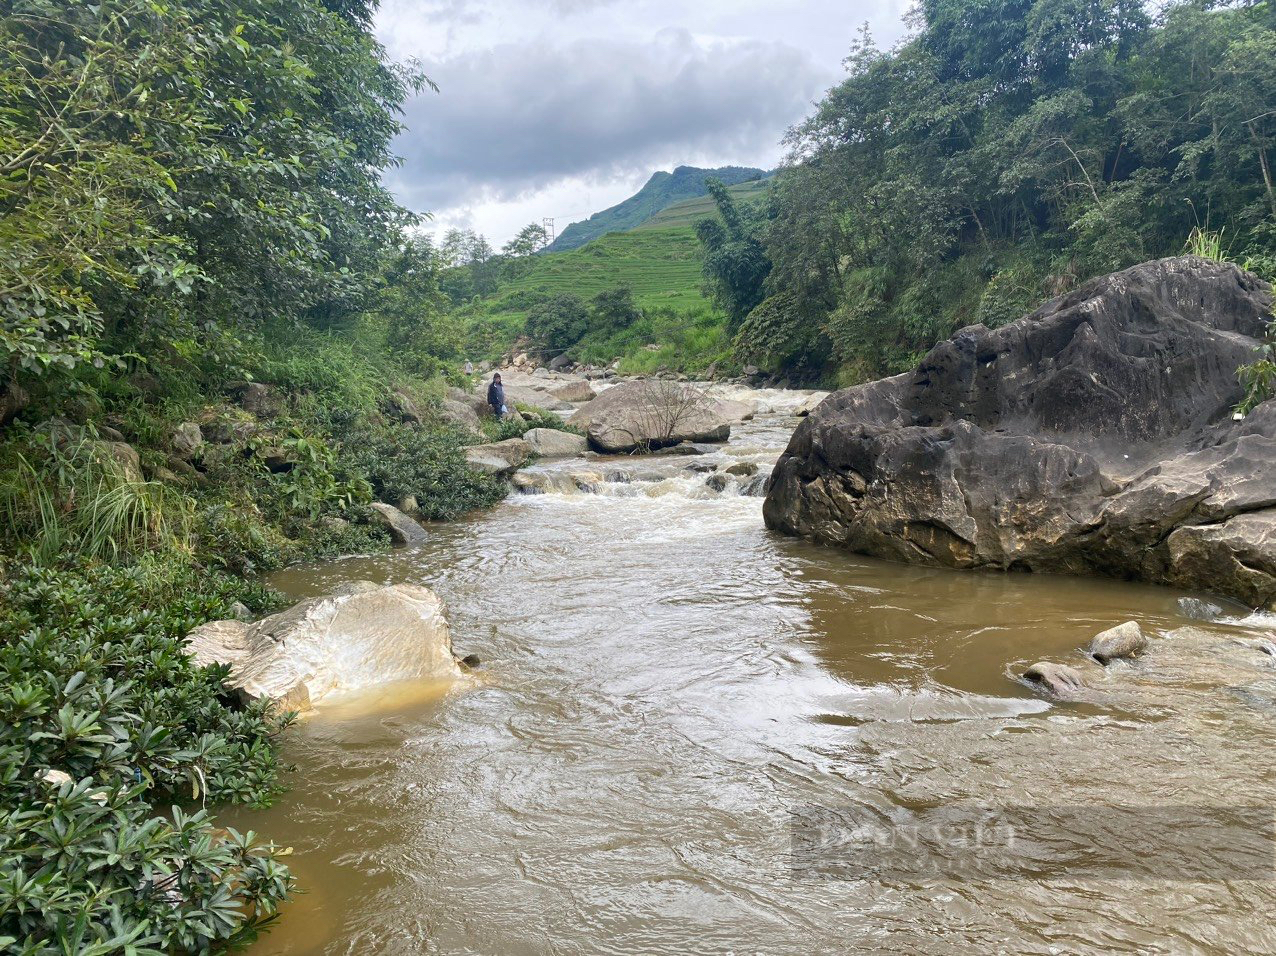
1002 153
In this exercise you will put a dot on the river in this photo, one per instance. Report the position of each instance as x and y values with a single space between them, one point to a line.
665 684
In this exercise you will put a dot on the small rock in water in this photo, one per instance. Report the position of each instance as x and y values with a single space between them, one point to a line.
619 477
471 660
1124 640
1199 610
1059 679
529 484
717 482
757 486
587 481
703 467
745 469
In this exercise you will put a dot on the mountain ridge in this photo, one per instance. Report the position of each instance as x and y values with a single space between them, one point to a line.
662 190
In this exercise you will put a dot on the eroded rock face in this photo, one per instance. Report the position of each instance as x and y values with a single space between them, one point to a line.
1094 435
352 640
651 414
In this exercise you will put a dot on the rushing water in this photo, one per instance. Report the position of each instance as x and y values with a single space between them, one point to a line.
665 683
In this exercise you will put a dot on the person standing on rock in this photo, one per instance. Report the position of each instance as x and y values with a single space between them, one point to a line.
496 396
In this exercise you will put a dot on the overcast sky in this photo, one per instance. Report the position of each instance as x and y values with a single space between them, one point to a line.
564 107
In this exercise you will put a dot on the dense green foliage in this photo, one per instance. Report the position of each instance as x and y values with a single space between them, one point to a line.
219 345
157 154
104 718
660 192
1006 151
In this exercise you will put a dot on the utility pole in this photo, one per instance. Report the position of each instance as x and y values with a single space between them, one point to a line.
548 225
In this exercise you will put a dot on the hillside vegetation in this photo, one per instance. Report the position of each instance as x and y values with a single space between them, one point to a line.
220 345
1003 154
660 265
688 212
662 190
963 178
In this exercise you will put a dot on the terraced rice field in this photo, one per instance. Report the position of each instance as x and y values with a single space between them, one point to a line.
687 213
661 266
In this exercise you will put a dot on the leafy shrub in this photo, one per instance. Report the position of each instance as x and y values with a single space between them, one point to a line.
529 417
428 462
558 324
104 718
1259 377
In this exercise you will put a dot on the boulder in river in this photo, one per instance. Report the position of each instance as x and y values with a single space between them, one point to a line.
651 414
527 483
555 443
576 392
1094 435
524 395
1124 640
346 641
735 411
403 530
499 458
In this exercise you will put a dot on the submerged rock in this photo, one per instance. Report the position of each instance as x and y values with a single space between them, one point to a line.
1095 435
530 484
403 530
743 469
1059 679
345 641
1124 640
717 483
1199 610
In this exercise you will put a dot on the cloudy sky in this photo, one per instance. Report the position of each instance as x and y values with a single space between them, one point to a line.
564 107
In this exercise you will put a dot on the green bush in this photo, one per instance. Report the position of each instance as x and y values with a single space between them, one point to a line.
426 462
105 720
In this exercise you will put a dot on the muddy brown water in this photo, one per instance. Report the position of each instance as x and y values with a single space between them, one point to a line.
666 684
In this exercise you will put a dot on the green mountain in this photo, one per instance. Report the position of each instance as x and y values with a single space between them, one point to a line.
662 190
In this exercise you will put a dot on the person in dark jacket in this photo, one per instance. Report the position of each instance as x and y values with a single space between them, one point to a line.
496 396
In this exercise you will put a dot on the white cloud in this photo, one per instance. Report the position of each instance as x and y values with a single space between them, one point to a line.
562 107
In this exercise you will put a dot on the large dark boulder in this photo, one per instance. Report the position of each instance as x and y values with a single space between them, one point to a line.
1094 435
